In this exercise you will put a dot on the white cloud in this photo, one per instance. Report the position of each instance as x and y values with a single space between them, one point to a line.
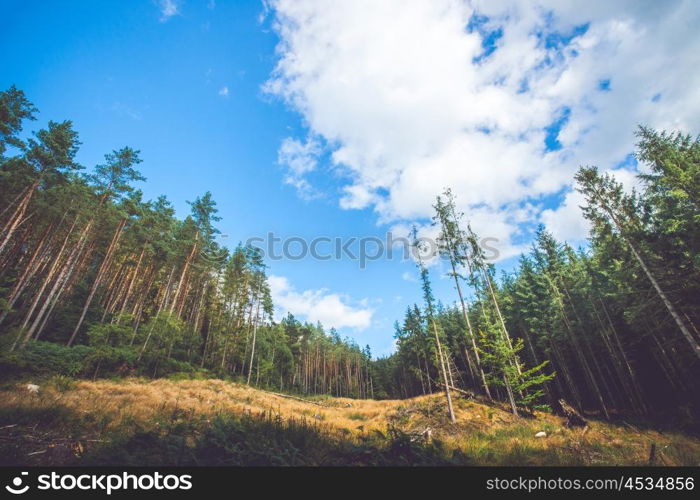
626 177
168 9
330 309
566 222
299 158
392 89
223 91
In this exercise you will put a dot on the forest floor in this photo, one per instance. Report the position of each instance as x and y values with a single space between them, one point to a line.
213 422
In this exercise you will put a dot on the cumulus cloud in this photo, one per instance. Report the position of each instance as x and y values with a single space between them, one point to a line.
499 100
330 309
223 91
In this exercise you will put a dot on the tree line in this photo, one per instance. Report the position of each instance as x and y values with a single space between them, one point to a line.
86 262
95 280
611 327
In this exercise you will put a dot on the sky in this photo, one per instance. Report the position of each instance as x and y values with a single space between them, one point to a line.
314 119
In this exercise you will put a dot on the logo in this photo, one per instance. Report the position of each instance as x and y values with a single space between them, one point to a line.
17 482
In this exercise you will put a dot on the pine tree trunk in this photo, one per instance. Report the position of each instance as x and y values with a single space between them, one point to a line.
472 339
16 217
64 272
30 269
98 279
444 372
185 268
255 331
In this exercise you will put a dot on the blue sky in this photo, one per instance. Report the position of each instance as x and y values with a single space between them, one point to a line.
210 92
126 78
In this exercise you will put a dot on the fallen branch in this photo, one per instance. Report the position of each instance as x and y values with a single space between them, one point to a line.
461 391
298 399
466 393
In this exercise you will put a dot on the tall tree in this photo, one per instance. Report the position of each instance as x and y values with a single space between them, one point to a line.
430 317
608 204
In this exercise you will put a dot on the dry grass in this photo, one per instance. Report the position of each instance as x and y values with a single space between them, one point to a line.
486 434
141 399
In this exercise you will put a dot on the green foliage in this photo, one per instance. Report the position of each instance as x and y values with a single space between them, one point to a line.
530 386
115 176
14 109
47 358
108 335
502 359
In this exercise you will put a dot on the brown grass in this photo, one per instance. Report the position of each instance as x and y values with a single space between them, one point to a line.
487 434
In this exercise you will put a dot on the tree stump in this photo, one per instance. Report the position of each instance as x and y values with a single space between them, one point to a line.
573 418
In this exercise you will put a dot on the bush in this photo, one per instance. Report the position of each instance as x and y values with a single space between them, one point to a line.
46 358
157 365
104 358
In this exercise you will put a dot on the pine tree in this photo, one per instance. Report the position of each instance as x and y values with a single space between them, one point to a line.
432 324
607 204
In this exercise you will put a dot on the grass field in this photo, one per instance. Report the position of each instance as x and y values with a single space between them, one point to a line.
213 422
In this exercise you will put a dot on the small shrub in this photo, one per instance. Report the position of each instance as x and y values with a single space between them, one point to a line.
47 358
